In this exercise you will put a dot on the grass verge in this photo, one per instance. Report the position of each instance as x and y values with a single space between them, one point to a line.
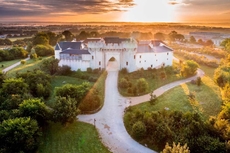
77 137
6 64
30 65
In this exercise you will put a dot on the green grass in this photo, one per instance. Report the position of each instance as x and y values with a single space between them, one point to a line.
208 99
8 63
153 79
30 65
209 71
59 81
77 137
18 38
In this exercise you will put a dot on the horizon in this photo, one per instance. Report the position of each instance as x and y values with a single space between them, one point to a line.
134 11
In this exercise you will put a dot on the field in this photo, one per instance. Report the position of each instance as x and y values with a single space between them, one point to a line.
18 38
77 137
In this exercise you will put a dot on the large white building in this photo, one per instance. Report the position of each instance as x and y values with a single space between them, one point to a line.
96 53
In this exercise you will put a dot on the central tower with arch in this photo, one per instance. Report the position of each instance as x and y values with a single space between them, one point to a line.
122 51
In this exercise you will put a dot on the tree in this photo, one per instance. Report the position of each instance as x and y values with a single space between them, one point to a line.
139 129
2 78
19 135
53 38
189 68
226 44
200 41
153 98
209 43
50 66
39 83
44 50
159 36
36 109
78 92
198 81
68 35
142 85
65 109
40 38
14 86
176 148
172 35
192 40
222 75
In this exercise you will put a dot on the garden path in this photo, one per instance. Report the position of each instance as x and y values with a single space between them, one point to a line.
109 120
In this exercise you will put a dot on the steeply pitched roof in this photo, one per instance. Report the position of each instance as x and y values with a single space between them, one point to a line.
75 51
57 47
91 40
115 40
156 49
73 45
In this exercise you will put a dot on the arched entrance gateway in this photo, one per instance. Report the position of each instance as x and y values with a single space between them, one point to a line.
112 61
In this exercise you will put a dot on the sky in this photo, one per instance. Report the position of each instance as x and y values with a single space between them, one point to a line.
115 10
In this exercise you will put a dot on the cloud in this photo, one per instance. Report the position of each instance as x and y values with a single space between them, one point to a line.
14 8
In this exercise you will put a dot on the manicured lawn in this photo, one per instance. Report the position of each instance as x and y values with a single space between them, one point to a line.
29 66
153 79
209 71
77 137
207 99
8 63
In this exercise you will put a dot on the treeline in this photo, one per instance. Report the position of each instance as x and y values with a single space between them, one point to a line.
13 53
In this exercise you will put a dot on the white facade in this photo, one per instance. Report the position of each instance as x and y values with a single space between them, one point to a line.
128 53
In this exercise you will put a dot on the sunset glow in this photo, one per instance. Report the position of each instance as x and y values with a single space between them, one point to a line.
150 11
115 11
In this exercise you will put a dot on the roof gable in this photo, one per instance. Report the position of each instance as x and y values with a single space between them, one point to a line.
73 45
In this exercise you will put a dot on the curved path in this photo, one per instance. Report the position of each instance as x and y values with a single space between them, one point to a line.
109 120
14 65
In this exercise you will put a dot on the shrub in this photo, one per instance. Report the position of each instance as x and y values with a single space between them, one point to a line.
64 70
124 71
123 83
138 129
89 70
23 62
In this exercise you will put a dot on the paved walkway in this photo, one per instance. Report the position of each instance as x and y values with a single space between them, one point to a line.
109 120
13 66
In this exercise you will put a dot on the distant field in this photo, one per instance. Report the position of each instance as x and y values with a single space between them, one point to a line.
5 64
18 38
77 137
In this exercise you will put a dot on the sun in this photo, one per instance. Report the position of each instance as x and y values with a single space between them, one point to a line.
150 11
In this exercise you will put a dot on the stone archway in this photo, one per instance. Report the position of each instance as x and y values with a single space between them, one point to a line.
113 62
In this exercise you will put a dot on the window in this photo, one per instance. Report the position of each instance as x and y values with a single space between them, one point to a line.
151 66
140 62
167 59
92 57
156 60
167 53
140 56
100 63
155 54
127 63
134 56
145 60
